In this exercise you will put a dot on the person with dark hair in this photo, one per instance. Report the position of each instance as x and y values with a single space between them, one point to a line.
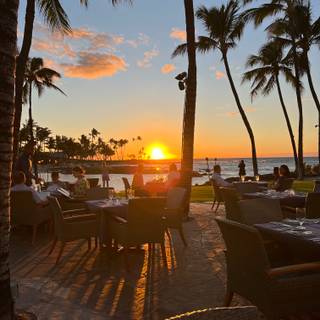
173 177
138 182
82 184
283 183
242 168
24 162
19 180
55 182
216 177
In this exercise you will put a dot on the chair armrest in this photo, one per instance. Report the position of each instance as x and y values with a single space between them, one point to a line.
80 218
119 219
275 272
74 211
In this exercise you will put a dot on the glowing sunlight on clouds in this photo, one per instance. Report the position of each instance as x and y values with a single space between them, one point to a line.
168 68
178 34
147 57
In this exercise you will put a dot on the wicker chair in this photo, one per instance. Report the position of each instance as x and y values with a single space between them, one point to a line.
313 205
72 228
231 203
277 292
126 186
98 193
217 196
24 211
174 211
316 187
260 211
237 313
144 224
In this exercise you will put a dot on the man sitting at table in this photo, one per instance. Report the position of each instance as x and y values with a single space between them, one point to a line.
19 180
216 177
284 182
55 182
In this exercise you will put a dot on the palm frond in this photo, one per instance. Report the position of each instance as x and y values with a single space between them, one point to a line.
180 50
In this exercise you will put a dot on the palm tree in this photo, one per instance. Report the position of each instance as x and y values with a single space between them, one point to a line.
270 63
284 26
224 26
39 77
8 40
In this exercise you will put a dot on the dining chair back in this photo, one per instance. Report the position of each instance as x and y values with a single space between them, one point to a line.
231 203
256 211
176 198
23 208
126 185
316 187
313 205
217 195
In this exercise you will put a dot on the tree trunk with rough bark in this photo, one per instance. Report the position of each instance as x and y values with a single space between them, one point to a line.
189 104
20 71
8 40
243 115
292 139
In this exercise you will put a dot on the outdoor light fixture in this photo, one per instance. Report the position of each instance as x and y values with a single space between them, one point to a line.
182 78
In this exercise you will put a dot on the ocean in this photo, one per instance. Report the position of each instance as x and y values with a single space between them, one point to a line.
229 169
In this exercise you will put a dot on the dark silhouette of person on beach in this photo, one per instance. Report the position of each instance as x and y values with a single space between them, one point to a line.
242 168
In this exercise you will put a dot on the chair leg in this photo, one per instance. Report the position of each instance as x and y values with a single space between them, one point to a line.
217 207
168 234
89 244
34 233
60 251
182 236
164 255
53 246
96 242
214 202
228 298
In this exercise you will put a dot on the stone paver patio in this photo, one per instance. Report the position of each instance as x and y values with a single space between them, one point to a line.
91 285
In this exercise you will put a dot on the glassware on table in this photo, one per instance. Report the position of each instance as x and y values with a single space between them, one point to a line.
242 178
257 177
130 193
300 217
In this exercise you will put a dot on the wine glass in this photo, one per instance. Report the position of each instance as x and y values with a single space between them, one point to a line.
300 217
257 177
242 178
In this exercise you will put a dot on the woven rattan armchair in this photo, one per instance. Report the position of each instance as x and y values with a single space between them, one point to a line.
277 292
313 205
217 196
231 203
74 227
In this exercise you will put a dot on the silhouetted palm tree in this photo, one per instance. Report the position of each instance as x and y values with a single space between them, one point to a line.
286 26
8 40
39 77
225 27
270 63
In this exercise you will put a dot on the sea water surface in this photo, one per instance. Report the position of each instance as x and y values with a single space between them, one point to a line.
229 169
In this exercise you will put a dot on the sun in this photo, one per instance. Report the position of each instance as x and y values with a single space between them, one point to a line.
157 153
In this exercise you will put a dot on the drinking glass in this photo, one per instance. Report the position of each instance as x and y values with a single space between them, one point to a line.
300 217
257 178
242 178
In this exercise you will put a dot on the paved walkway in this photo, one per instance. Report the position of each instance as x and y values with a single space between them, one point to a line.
91 285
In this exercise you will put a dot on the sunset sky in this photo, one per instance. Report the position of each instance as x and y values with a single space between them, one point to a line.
119 77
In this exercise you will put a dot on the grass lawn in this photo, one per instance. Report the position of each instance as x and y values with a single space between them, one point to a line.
204 193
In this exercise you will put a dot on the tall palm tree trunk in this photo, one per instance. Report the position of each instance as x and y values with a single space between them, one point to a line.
20 70
30 113
300 109
189 104
243 115
317 103
8 40
284 109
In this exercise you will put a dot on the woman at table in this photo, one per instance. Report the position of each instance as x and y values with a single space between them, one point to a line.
138 182
283 182
82 185
173 177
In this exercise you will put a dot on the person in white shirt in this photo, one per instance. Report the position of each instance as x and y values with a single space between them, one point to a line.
55 182
216 177
19 181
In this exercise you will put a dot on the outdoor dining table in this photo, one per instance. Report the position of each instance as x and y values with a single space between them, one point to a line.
301 244
103 209
259 183
294 200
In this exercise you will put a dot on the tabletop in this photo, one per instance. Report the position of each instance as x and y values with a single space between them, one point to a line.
305 243
95 205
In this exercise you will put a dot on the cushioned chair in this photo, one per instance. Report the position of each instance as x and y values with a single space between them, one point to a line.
72 228
144 224
277 292
231 203
24 211
316 187
217 196
260 211
98 193
126 186
246 187
174 210
313 205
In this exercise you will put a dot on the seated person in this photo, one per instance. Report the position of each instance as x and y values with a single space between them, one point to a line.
138 182
283 183
55 182
19 180
173 177
216 177
82 185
